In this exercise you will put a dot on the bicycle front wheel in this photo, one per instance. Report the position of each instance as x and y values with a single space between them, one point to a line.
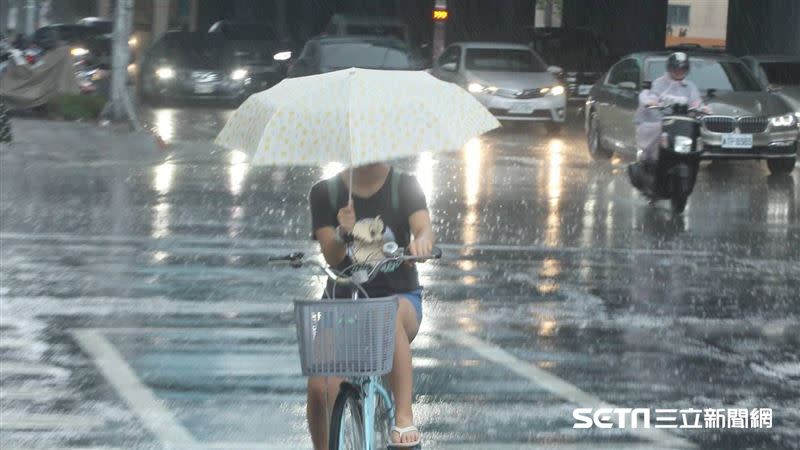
347 424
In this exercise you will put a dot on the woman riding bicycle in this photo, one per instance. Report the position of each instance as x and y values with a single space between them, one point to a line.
386 206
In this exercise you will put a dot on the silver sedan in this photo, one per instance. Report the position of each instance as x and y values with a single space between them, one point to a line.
511 80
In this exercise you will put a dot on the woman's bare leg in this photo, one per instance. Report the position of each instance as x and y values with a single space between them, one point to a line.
317 412
401 377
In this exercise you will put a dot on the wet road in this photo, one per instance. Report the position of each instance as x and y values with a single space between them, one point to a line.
138 310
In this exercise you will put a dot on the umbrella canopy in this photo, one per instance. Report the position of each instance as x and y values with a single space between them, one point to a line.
354 116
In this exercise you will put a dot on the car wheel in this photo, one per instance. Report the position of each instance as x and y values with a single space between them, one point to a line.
554 127
595 140
781 166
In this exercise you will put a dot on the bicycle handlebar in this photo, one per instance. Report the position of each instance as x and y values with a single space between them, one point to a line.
393 254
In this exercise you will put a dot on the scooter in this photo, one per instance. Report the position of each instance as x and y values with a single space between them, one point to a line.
680 145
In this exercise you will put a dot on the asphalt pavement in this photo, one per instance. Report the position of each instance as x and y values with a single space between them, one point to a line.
138 309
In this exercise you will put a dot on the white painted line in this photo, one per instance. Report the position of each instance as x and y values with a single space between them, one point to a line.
553 384
37 394
178 240
63 448
32 369
47 422
152 411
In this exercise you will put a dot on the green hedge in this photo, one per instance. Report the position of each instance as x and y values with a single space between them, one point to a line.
76 106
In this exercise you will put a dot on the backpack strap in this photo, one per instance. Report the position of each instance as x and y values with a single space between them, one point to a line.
333 193
396 176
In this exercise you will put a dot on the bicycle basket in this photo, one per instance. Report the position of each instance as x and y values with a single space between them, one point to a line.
346 338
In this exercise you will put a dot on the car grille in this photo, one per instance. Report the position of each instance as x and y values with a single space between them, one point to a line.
719 124
539 113
205 76
522 95
753 124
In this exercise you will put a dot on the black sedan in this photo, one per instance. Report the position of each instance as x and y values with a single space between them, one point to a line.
197 65
327 54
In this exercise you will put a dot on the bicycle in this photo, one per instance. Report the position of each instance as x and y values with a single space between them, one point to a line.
355 341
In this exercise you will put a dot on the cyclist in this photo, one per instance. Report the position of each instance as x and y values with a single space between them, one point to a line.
381 195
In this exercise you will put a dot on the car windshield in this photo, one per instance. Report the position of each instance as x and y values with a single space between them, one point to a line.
100 26
195 49
246 32
503 60
710 74
395 31
573 51
782 73
364 55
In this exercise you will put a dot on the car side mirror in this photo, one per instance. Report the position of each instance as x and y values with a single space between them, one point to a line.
449 67
627 85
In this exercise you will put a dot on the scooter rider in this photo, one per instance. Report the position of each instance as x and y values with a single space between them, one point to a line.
670 88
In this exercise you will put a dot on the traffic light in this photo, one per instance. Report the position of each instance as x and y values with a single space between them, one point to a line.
440 15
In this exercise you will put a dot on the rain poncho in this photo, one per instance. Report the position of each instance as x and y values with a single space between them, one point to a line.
664 90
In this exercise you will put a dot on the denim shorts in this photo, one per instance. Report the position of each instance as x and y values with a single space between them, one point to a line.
415 297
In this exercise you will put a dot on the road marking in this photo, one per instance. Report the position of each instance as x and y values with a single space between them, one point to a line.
158 419
552 383
152 411
284 244
47 422
32 369
36 394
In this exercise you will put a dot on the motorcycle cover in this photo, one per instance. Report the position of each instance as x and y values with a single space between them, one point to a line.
23 86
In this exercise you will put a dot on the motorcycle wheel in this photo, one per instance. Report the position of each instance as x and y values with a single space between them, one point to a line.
679 195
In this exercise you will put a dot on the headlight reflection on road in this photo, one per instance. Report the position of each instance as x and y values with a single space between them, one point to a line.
162 181
237 172
160 226
473 162
556 159
165 124
472 188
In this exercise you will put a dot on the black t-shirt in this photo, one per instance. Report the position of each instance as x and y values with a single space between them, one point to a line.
410 199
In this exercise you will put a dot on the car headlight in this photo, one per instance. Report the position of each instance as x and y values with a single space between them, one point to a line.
133 42
784 121
238 74
477 88
282 56
555 90
165 73
683 144
79 51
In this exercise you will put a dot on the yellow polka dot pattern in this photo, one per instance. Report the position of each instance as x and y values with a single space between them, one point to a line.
358 116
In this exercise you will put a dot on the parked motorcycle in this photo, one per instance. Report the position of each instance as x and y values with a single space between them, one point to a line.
680 145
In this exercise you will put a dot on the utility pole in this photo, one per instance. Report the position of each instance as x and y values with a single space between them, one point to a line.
30 12
120 106
440 15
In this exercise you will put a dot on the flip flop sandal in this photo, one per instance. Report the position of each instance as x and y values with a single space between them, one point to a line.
401 432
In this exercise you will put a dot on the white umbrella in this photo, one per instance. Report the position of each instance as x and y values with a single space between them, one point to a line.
355 115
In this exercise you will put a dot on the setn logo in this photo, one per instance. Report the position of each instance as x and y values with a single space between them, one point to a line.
605 417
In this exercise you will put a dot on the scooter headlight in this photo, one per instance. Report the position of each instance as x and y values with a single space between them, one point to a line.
683 144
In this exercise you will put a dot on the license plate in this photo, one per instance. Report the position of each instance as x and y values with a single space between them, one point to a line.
734 140
521 108
584 89
203 88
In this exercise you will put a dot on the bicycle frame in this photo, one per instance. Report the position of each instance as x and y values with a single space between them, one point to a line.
369 389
